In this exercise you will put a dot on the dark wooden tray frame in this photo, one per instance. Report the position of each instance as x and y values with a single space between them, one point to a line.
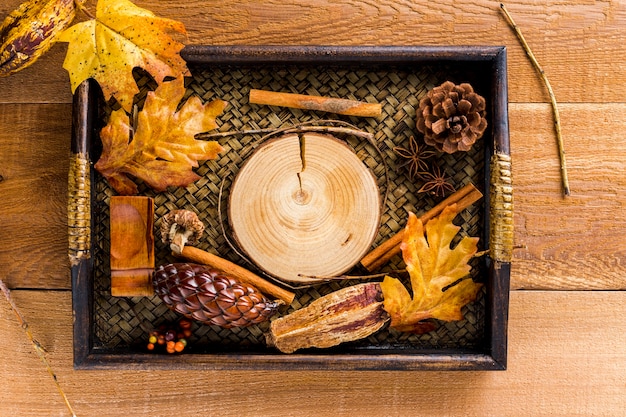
492 356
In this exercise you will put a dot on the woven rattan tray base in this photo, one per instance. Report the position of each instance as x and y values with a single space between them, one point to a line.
112 330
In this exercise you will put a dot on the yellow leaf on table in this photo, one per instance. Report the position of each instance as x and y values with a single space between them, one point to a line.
120 38
163 150
438 274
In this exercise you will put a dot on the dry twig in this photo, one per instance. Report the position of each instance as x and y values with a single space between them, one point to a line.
555 110
355 277
38 348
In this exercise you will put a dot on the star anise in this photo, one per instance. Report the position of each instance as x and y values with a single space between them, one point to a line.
436 183
415 156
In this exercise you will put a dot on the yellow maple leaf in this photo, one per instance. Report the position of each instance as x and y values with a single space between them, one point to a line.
121 37
438 273
163 150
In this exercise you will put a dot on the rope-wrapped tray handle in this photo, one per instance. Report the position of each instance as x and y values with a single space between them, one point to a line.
79 209
501 209
79 177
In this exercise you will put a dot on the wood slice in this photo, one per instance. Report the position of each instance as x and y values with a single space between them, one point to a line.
297 223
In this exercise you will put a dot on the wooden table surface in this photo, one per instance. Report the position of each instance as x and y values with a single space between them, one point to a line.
567 328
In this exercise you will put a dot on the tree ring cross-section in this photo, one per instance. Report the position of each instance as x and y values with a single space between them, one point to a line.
304 206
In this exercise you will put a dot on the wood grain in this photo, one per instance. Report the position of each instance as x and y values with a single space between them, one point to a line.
34 161
575 242
566 354
577 42
565 360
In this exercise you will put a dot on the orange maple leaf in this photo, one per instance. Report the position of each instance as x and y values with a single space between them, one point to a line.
120 38
439 274
163 149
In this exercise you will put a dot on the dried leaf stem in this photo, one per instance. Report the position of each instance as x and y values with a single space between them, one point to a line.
355 277
295 129
80 5
555 110
38 348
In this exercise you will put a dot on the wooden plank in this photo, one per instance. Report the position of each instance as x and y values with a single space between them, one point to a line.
567 359
34 161
576 242
577 44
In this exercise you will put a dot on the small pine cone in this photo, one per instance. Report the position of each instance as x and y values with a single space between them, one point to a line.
209 296
452 117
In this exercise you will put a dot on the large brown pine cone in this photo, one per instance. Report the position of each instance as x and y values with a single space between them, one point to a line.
206 295
452 117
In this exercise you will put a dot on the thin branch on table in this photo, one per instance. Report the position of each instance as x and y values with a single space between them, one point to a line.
38 348
555 110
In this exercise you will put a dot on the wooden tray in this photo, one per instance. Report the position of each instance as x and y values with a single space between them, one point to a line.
110 332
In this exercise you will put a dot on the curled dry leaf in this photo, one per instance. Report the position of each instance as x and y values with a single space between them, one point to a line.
438 273
31 30
163 150
120 38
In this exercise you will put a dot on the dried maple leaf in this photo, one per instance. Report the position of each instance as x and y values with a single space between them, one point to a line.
163 149
439 274
120 38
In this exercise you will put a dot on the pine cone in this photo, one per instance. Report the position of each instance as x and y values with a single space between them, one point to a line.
452 117
208 296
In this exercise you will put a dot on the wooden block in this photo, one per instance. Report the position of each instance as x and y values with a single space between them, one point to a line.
132 246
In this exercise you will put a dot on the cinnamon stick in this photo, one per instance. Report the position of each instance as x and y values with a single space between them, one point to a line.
379 256
199 256
306 102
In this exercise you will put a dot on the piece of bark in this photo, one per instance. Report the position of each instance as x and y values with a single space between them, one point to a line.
132 246
345 315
